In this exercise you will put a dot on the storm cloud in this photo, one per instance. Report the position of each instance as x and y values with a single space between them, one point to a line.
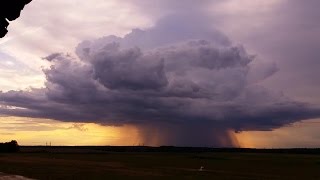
180 82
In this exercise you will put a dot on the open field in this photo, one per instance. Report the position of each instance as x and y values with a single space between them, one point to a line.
158 165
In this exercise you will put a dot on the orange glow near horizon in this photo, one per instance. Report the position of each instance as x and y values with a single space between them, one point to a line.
298 135
28 131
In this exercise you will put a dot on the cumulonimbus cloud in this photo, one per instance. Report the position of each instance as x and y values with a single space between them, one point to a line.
181 83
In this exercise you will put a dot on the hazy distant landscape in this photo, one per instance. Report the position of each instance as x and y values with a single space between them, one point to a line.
161 163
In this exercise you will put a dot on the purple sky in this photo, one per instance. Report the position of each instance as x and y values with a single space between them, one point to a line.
187 74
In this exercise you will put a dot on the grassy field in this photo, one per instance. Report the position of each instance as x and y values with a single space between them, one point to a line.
152 165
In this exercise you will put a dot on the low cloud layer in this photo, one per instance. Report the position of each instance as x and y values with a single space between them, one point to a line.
180 82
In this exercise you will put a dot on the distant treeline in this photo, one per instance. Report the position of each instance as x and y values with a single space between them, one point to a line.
178 149
206 149
9 147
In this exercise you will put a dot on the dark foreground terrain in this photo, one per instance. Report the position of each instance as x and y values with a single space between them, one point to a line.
102 163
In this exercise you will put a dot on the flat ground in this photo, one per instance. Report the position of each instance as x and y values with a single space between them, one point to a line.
152 165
